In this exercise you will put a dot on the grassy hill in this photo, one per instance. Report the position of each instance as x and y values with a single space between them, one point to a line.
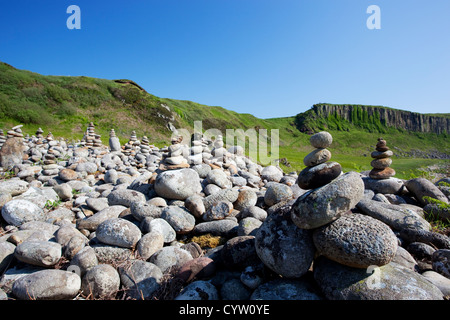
65 106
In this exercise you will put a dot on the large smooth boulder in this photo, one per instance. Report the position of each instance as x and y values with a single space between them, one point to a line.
357 241
282 246
389 282
177 184
51 284
325 204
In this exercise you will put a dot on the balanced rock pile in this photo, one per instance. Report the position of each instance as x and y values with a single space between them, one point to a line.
93 223
382 161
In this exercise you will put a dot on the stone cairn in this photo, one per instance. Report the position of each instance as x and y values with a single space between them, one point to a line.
50 168
39 136
2 138
218 152
196 149
174 158
382 161
131 145
319 170
89 136
114 143
15 132
145 146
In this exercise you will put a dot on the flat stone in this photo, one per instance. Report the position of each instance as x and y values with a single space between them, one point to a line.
381 163
179 219
318 176
385 173
316 157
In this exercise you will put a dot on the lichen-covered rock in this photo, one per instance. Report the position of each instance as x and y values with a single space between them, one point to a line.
239 252
199 290
50 284
140 279
283 247
17 212
285 289
357 241
389 282
323 205
101 281
118 232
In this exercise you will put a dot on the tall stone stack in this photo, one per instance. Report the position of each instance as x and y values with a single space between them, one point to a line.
114 143
2 138
382 161
175 155
196 150
97 143
39 136
319 170
50 168
89 136
145 146
15 132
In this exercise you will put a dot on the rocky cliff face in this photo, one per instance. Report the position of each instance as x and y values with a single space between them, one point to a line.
399 119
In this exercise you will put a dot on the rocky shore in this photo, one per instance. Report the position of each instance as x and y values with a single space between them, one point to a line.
197 221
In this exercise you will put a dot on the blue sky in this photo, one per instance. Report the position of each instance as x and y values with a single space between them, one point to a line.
270 58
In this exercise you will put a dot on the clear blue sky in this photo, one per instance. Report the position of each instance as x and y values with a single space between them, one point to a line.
270 58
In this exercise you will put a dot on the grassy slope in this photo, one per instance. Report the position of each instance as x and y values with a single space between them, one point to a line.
65 105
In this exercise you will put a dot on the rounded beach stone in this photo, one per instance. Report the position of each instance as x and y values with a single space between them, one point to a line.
282 246
179 219
118 232
285 289
316 157
246 198
382 173
101 281
67 174
357 241
421 187
388 282
140 279
271 173
276 193
150 243
218 211
168 257
199 290
381 163
39 253
318 176
160 225
325 204
125 197
219 178
381 155
321 140
141 210
177 184
17 211
51 284
239 252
